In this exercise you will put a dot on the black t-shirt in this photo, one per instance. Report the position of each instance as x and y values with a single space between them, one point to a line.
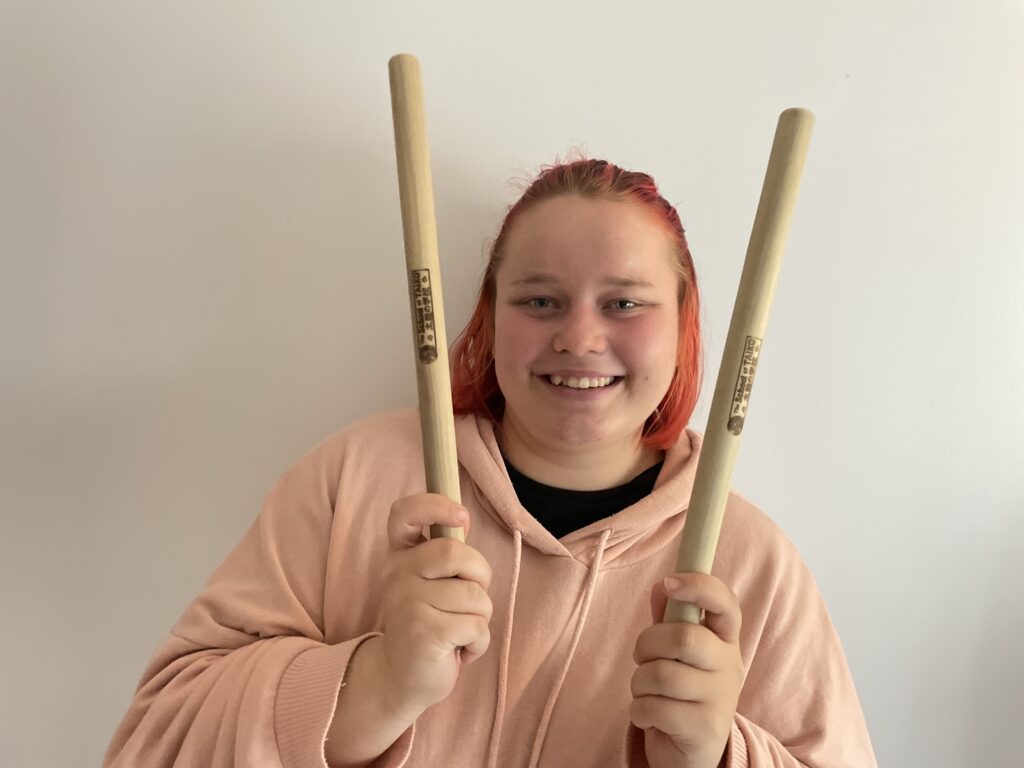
563 511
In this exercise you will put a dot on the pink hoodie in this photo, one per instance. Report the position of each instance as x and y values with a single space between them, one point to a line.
250 673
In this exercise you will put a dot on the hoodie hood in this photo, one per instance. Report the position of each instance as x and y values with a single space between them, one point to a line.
633 533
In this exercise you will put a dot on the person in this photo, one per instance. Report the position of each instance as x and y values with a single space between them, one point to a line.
338 634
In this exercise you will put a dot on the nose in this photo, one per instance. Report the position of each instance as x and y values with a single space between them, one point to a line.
581 332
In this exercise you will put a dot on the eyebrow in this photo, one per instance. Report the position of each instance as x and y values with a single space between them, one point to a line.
546 278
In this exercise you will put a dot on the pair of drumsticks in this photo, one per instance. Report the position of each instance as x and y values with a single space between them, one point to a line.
739 360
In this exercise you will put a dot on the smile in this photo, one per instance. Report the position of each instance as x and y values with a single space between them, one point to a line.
593 382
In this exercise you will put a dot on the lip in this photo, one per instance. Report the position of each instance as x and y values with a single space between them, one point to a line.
565 374
569 393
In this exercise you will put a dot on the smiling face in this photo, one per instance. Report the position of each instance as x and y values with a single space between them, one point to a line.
587 294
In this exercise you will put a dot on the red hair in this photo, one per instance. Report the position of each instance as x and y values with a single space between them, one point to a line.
474 381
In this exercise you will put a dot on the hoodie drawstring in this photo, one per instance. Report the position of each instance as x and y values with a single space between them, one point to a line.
499 712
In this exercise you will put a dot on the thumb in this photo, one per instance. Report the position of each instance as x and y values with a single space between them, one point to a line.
659 600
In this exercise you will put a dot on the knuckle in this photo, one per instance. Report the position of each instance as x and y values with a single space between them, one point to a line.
485 569
686 640
636 682
450 550
396 508
395 589
486 605
465 594
418 611
661 673
469 592
398 567
403 508
417 628
440 553
639 648
639 713
389 593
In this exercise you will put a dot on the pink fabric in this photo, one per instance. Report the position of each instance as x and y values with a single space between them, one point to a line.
250 673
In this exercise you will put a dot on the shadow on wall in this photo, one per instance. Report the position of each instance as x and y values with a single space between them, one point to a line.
966 614
995 697
210 310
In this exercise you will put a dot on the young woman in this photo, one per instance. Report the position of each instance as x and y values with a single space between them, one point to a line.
337 635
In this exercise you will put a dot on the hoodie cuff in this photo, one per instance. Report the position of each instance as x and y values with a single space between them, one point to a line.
736 749
306 700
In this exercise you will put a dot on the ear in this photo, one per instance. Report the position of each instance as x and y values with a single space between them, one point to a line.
659 600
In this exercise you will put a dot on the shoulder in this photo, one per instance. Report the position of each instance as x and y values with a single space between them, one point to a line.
389 438
778 594
385 441
393 432
755 552
398 426
746 522
748 534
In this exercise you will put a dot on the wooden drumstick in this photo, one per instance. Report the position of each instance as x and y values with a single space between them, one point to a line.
424 274
742 349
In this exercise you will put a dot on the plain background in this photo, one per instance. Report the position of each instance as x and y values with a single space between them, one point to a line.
203 276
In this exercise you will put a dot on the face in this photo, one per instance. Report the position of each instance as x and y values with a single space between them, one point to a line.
586 294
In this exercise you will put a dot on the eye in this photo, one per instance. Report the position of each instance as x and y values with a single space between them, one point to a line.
624 305
539 302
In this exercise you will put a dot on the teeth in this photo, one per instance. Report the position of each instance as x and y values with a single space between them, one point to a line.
582 382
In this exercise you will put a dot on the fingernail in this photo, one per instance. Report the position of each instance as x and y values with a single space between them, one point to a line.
672 583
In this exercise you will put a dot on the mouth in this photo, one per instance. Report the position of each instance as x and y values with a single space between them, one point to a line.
583 383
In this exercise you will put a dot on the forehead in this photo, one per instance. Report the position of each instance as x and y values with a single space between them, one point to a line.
571 234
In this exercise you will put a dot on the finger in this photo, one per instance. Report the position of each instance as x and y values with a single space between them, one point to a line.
659 601
449 558
683 720
720 604
411 514
690 644
473 635
458 596
672 680
452 631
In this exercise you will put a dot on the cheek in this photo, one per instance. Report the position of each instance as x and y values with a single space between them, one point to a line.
515 343
650 346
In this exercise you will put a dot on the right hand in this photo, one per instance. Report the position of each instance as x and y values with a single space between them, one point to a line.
435 604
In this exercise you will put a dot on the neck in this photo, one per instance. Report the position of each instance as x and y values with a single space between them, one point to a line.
591 467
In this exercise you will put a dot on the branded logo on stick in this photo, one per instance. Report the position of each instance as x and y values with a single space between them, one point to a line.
423 314
744 383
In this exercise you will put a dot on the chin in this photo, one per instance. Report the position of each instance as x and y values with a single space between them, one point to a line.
581 434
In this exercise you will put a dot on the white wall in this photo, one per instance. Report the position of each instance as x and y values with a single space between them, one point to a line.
202 276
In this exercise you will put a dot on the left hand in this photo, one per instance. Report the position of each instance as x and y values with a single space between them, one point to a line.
688 681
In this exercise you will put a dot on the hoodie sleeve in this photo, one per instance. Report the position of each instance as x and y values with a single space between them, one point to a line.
798 706
245 677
